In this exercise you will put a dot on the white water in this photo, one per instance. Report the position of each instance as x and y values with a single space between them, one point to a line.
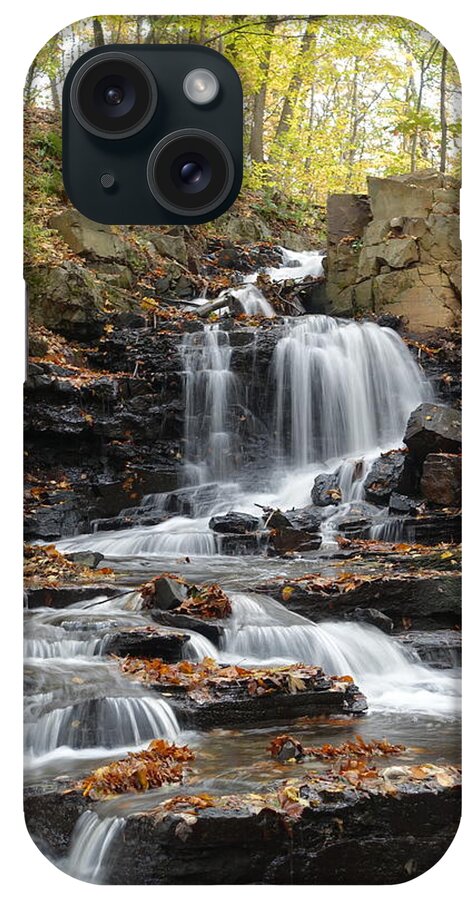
91 843
103 722
263 630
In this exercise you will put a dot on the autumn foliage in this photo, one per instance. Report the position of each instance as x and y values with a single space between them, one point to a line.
161 763
286 746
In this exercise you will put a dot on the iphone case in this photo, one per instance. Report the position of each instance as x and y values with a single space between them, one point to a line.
242 478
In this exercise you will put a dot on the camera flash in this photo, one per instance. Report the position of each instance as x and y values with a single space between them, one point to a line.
201 86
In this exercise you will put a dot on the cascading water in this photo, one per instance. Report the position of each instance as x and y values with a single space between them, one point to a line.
341 388
211 391
91 844
340 393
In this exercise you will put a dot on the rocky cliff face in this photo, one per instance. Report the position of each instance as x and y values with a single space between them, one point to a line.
397 251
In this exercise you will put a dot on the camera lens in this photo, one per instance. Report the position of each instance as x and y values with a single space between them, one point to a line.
113 95
190 172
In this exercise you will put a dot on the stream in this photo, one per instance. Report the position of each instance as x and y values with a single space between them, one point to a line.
341 393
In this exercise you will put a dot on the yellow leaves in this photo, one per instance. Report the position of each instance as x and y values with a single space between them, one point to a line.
295 684
287 592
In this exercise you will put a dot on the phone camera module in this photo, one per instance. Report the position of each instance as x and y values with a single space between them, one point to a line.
190 172
113 95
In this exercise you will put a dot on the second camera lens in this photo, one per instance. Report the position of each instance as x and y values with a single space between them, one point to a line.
190 172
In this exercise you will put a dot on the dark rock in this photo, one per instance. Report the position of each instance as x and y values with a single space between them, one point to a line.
393 471
326 490
286 540
248 711
241 544
306 519
164 593
177 620
87 558
59 597
438 649
165 645
372 617
347 836
433 429
424 598
441 479
401 505
235 523
347 216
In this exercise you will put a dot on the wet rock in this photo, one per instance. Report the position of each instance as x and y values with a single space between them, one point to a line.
441 479
399 505
426 598
438 649
87 558
235 523
288 540
147 643
393 471
164 593
235 709
432 428
177 620
326 490
343 834
59 597
371 617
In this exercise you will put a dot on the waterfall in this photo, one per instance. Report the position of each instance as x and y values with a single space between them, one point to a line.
253 301
211 392
341 388
105 722
91 844
264 631
341 393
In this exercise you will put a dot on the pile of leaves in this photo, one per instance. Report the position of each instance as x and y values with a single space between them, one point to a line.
47 566
161 763
208 680
207 602
291 797
285 746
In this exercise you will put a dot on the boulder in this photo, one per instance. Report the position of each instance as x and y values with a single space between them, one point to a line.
326 490
441 240
432 428
67 299
391 472
371 617
164 593
85 558
87 238
171 246
240 228
347 216
235 523
400 505
148 643
400 252
390 197
441 479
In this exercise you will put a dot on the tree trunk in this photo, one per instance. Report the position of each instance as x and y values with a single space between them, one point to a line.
259 103
55 96
29 82
354 123
295 84
443 119
98 33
